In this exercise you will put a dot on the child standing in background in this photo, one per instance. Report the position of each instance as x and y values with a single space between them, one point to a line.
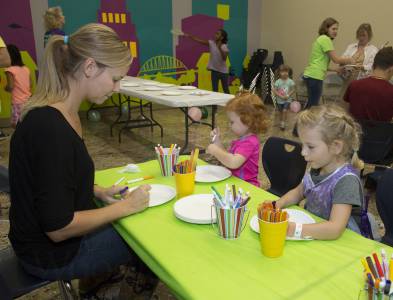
54 21
18 83
332 188
284 88
247 117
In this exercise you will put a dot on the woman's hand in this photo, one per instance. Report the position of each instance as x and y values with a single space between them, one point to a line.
138 199
107 194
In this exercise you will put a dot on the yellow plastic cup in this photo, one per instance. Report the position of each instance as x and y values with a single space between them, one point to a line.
185 184
272 237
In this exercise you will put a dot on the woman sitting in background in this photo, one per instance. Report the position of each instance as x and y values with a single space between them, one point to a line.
363 54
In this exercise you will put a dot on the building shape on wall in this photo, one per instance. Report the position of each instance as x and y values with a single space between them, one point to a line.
115 15
202 26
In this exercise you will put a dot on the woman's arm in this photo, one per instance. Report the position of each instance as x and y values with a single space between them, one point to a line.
369 54
197 39
86 221
340 60
327 230
231 161
10 82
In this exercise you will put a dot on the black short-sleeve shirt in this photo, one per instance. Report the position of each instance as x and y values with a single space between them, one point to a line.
51 177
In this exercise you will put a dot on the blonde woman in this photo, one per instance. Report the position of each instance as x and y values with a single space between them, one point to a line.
363 53
332 188
56 230
54 21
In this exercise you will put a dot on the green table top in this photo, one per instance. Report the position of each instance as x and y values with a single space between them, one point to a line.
197 264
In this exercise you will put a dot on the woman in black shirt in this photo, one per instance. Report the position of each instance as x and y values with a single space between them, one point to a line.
56 230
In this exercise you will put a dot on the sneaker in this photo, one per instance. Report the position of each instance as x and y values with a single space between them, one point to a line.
282 125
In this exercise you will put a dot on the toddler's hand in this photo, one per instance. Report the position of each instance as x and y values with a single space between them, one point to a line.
291 229
215 136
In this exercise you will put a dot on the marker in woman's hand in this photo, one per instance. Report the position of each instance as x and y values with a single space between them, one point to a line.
214 138
123 191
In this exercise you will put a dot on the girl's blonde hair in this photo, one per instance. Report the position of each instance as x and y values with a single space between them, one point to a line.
53 18
251 110
334 123
64 56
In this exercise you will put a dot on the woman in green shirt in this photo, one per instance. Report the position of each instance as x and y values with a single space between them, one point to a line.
322 52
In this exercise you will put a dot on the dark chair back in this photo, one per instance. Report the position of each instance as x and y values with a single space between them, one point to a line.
283 163
384 199
15 280
377 142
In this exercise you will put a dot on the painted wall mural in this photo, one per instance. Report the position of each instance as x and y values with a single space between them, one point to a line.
147 33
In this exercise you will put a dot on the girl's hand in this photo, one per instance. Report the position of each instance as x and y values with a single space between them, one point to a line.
291 229
215 136
210 149
138 199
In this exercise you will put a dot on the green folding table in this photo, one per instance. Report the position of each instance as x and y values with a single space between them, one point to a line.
196 263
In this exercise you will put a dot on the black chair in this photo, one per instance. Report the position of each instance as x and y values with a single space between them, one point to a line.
16 282
283 163
384 199
377 142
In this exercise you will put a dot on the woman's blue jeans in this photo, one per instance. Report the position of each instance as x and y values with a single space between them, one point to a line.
100 251
314 90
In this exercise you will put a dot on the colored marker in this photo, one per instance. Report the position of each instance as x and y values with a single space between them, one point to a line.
140 179
378 265
385 265
371 266
119 181
122 191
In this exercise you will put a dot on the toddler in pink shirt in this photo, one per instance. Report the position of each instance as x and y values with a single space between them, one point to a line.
18 83
247 115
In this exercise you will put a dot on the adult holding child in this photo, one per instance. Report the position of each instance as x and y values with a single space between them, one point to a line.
55 228
322 52
363 53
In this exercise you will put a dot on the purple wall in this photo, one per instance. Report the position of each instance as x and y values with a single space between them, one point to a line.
18 12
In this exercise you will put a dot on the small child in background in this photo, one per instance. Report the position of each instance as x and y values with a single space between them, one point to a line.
332 187
247 115
284 88
54 21
18 83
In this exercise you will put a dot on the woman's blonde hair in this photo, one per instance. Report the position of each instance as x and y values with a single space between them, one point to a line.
251 110
64 56
334 123
53 18
365 27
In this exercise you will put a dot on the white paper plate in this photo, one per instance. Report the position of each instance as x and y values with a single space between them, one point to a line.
210 173
153 88
159 194
295 215
129 84
150 83
171 93
195 209
187 87
165 84
200 93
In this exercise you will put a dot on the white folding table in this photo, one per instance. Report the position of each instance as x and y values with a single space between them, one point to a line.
141 88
